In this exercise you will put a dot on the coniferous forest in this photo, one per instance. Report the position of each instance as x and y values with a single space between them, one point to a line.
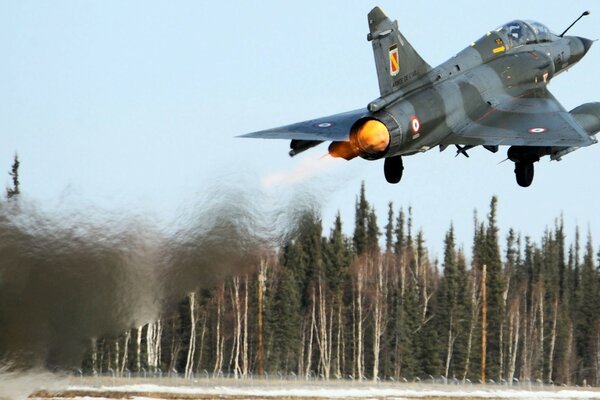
375 306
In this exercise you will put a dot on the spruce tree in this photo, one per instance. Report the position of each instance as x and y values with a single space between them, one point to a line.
360 222
496 287
400 239
473 368
452 306
463 313
372 233
14 191
307 247
285 323
337 257
587 317
389 229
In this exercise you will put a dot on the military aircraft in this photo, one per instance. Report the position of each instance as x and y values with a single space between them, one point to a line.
493 93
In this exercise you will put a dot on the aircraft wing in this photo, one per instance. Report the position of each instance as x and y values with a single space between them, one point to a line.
332 128
535 118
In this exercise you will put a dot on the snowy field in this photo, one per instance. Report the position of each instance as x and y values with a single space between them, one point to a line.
229 389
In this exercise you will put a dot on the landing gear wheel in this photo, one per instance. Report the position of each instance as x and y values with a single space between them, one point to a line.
524 173
393 168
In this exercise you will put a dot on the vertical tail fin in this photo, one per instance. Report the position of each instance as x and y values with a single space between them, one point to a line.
396 60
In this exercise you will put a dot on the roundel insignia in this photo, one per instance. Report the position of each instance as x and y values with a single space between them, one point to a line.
537 130
324 125
415 126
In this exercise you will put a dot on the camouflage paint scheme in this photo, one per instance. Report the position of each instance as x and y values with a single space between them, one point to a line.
492 93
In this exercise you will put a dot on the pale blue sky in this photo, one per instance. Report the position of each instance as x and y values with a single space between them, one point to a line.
134 105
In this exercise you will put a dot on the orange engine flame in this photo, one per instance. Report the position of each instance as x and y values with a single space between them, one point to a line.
372 137
369 139
342 150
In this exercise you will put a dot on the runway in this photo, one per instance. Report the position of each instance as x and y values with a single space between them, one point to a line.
301 390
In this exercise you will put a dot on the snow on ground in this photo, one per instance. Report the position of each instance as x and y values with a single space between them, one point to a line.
275 390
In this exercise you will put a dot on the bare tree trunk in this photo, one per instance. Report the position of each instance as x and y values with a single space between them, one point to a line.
138 349
109 358
529 338
150 345
301 370
117 367
344 363
322 334
199 364
218 345
175 348
450 346
597 358
330 334
504 360
552 341
235 297
101 361
379 317
94 355
524 353
402 276
501 361
515 347
310 340
510 344
189 364
359 329
475 305
541 337
338 371
354 335
483 323
422 273
125 352
245 342
261 282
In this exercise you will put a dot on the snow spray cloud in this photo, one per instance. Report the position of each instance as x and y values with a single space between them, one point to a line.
227 234
65 279
20 385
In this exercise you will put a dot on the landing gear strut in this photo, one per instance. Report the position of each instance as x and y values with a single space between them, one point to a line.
524 173
524 157
393 168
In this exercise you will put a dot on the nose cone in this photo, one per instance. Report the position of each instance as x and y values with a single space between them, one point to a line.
578 48
587 43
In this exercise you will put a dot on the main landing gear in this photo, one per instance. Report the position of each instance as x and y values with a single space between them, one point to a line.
524 157
393 168
524 173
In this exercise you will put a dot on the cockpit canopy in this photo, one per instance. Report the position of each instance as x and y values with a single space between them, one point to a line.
518 33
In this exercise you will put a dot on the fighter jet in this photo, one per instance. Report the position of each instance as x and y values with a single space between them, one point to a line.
493 93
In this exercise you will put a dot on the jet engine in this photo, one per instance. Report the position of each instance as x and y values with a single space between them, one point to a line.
370 138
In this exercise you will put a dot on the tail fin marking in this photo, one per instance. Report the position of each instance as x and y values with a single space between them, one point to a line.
396 60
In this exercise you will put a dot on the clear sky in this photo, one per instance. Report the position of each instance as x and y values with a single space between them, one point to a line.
134 105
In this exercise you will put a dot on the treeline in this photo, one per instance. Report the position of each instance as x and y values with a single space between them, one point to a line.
376 306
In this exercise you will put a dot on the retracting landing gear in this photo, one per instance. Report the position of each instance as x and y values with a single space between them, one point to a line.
524 157
393 168
524 173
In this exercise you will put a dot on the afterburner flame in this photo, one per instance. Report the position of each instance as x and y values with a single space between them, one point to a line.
368 140
372 137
